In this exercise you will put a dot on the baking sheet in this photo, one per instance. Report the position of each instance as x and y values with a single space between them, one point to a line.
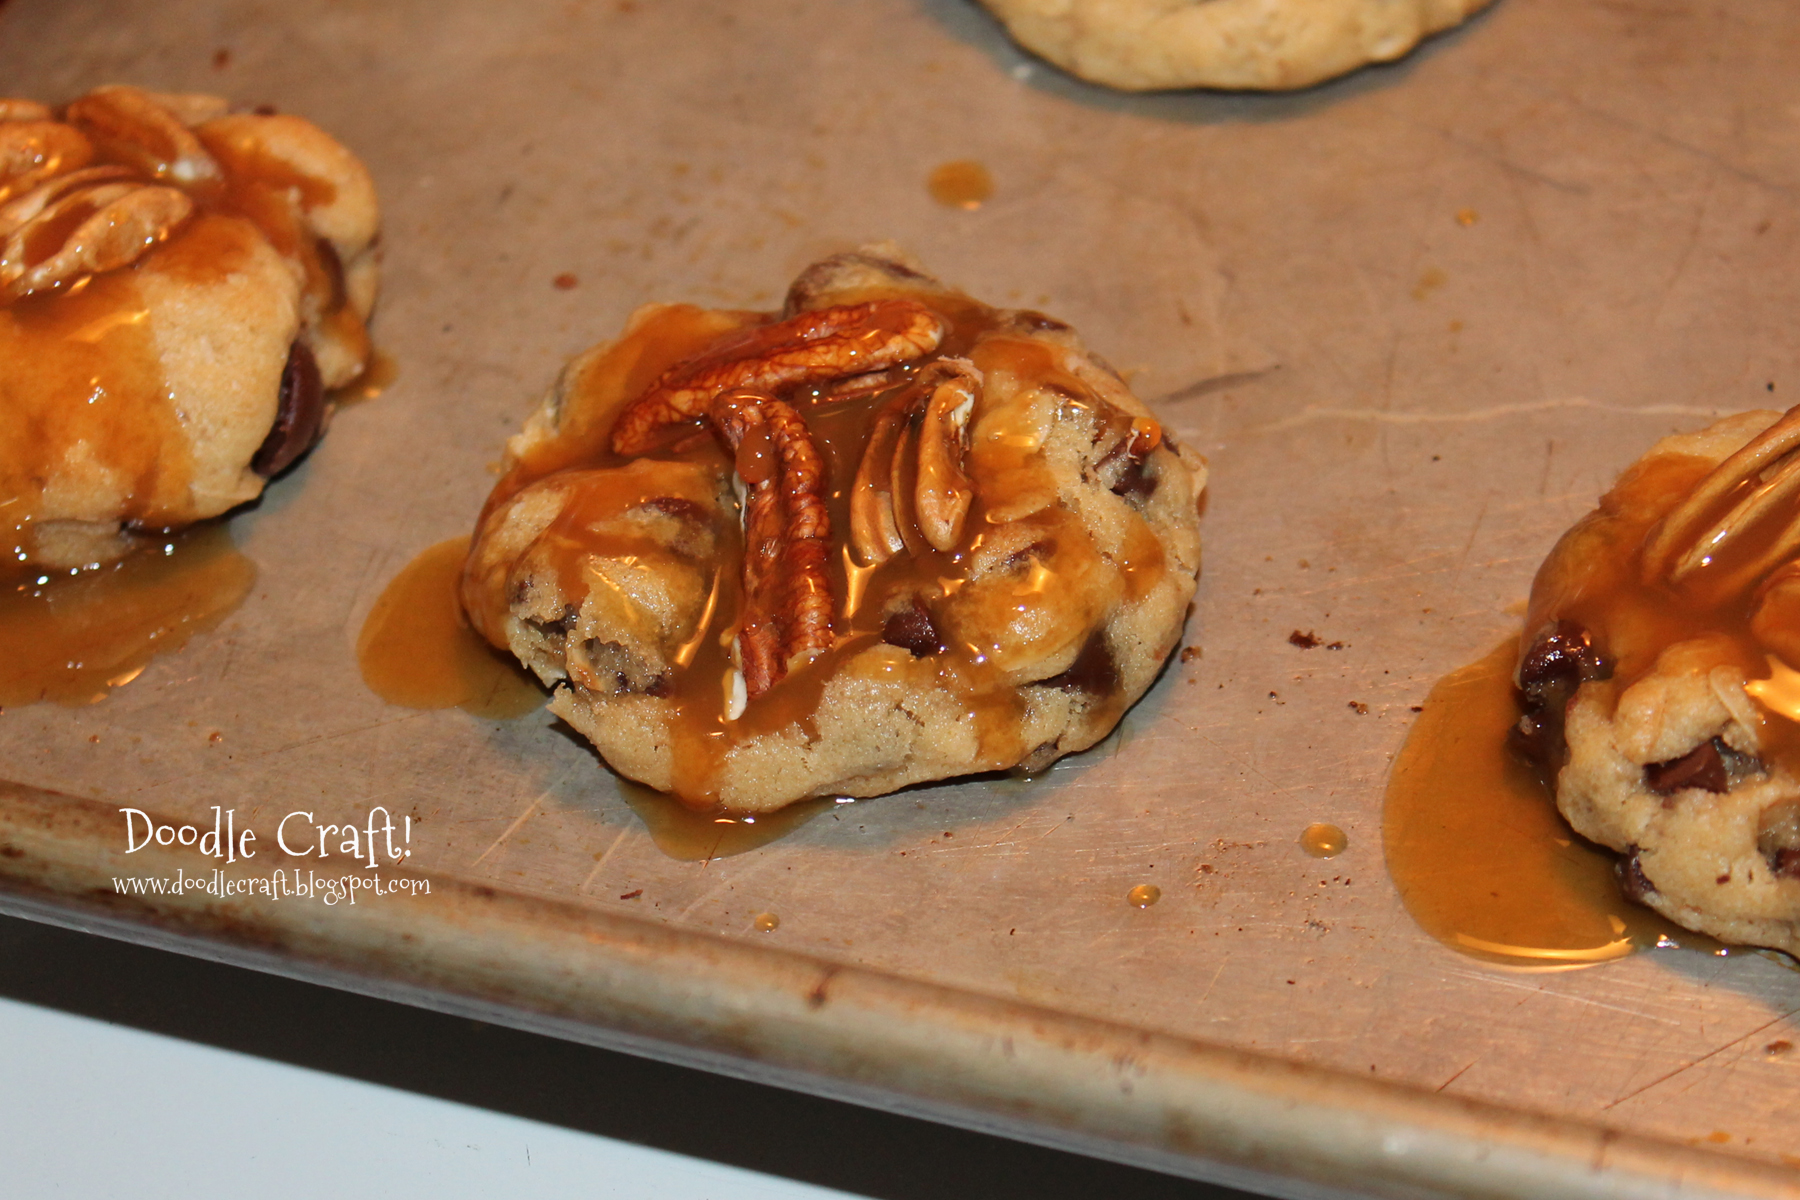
1416 319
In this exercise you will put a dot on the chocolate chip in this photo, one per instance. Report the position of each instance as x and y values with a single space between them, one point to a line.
1632 879
1702 767
912 629
1094 671
1561 659
299 415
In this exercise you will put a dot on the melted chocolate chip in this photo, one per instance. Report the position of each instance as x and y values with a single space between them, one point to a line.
1094 671
299 415
562 626
1562 658
1632 879
1703 767
912 629
1785 863
1135 483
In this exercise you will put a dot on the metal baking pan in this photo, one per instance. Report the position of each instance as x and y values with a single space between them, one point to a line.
1416 319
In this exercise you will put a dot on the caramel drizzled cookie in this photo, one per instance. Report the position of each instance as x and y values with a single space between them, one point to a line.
1661 677
886 535
1265 45
179 286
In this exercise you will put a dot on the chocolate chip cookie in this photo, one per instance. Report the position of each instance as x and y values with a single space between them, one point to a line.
886 535
1661 673
180 284
1147 45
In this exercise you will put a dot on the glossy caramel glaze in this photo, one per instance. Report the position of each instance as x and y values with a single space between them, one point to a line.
1024 582
71 638
416 648
1477 851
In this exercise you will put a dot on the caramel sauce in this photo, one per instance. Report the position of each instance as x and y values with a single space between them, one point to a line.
766 923
1323 841
682 833
83 381
72 638
963 184
1478 852
377 377
416 648
1143 895
1033 609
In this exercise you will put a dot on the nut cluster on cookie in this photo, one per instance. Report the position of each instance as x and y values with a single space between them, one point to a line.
1661 677
886 535
179 285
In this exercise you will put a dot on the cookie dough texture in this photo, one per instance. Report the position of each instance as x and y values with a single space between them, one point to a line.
1715 847
1263 45
179 285
1066 592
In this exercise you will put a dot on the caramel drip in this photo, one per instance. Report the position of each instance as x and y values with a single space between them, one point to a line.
1478 852
74 637
864 597
1596 578
416 648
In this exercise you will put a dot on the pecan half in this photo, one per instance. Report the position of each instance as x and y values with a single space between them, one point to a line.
944 493
135 129
787 537
1691 537
924 429
812 348
33 151
14 109
874 532
87 231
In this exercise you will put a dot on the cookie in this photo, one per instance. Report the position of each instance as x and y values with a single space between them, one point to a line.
1661 674
1264 45
884 536
180 285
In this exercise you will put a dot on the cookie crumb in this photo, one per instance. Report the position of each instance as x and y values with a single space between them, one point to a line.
1306 641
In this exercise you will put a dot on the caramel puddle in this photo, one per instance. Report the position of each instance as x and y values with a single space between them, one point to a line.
963 184
416 648
694 836
375 379
1478 852
73 638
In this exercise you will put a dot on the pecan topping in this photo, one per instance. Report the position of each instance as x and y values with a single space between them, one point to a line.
787 537
1693 535
874 532
927 428
32 151
814 347
944 491
86 231
135 129
12 109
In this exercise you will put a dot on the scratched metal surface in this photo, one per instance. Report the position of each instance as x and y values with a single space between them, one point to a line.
1402 410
